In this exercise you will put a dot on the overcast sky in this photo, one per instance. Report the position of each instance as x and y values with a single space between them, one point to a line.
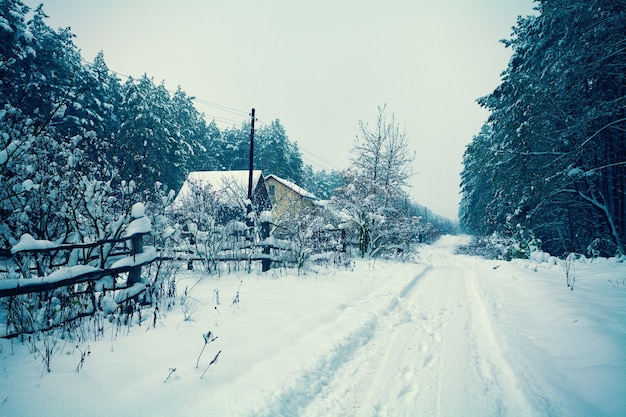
318 66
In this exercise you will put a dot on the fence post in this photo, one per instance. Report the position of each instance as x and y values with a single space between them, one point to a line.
134 275
266 263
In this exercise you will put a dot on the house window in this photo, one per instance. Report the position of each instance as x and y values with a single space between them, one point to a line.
272 190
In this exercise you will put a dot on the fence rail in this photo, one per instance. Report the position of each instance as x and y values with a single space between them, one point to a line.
45 268
76 274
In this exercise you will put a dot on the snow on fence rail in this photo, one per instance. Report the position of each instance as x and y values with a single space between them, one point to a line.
69 275
46 267
76 274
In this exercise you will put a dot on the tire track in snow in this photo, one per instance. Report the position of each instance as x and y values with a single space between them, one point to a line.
380 379
294 399
527 395
495 371
428 348
434 354
474 376
477 378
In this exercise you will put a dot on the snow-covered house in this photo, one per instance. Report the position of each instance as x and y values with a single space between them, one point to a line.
287 198
228 188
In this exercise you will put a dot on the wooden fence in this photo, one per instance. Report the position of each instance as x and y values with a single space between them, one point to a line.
45 267
37 272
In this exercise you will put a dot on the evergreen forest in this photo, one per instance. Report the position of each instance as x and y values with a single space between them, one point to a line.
548 167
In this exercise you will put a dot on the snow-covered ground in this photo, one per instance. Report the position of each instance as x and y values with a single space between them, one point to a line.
449 335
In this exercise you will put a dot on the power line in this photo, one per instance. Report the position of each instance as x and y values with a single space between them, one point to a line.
222 119
221 107
315 159
208 103
312 157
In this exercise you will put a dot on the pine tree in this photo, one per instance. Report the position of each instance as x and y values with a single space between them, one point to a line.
194 137
557 128
16 51
321 183
276 154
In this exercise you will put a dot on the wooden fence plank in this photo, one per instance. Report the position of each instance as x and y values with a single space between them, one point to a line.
76 274
10 287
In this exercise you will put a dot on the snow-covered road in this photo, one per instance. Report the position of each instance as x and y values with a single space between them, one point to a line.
432 351
448 335
457 339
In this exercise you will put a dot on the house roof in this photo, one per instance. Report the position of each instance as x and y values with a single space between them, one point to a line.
231 187
292 186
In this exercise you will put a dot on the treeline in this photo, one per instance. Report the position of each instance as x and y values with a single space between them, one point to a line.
136 127
549 165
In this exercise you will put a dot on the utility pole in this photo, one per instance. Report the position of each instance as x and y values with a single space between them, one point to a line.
251 162
266 261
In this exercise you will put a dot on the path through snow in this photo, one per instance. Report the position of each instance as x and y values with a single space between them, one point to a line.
448 335
468 337
431 352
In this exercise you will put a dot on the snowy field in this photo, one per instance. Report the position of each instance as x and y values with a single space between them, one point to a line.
449 335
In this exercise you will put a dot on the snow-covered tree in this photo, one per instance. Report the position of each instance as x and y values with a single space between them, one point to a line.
553 158
232 148
56 182
373 199
194 135
39 151
275 154
321 183
15 49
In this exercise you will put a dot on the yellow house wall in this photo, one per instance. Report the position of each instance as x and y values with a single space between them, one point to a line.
285 201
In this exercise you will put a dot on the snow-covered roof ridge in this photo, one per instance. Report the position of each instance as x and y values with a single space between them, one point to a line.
292 186
218 178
